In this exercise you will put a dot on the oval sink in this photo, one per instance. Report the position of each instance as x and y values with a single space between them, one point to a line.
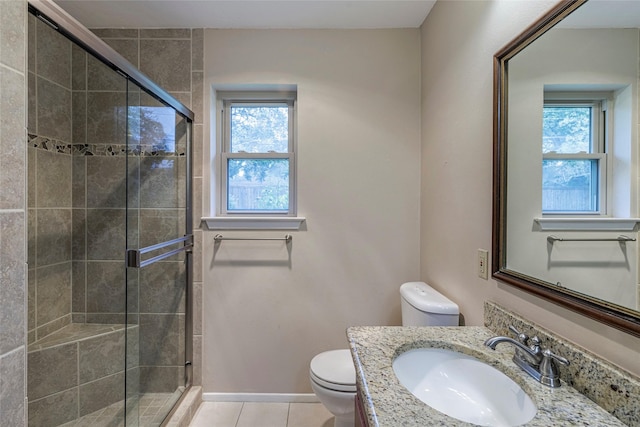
463 387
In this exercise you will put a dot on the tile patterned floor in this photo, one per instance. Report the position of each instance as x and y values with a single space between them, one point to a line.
259 414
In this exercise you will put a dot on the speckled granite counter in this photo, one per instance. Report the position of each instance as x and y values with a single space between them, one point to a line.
388 404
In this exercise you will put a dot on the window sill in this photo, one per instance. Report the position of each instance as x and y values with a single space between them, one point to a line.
587 224
252 223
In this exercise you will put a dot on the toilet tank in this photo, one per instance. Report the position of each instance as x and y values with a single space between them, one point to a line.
424 306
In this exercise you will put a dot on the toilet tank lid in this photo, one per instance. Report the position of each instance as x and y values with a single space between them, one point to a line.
425 298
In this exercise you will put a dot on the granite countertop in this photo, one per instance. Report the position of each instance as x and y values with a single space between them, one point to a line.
388 404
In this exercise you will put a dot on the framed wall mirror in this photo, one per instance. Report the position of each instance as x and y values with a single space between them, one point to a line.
566 170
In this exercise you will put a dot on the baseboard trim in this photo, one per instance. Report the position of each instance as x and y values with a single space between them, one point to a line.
261 397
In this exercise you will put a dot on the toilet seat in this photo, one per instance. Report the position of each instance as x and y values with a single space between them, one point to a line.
334 370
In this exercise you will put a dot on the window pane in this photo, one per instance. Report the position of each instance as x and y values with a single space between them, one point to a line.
258 185
566 130
260 129
570 185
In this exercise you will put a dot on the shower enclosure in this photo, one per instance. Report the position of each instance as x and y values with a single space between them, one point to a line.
110 234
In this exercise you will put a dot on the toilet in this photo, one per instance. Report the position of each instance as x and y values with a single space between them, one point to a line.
332 374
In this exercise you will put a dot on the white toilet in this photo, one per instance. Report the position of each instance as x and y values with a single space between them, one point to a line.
333 376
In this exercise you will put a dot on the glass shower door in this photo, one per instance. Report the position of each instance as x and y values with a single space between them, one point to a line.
159 243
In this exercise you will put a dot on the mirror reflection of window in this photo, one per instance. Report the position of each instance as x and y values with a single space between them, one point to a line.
574 165
590 55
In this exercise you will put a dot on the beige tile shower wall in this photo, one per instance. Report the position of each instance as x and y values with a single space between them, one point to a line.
197 106
13 255
76 200
76 185
49 183
173 58
98 189
89 373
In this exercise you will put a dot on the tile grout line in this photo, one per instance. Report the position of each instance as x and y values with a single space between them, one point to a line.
288 414
239 415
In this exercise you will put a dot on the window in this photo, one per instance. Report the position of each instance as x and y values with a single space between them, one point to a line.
574 161
257 153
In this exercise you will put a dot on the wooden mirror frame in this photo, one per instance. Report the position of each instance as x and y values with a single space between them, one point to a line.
610 314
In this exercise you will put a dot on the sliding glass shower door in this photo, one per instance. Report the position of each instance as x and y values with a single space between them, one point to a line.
109 233
159 243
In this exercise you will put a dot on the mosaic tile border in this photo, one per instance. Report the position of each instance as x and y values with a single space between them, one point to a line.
103 150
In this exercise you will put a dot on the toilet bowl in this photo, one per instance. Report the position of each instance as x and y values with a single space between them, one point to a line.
333 380
332 374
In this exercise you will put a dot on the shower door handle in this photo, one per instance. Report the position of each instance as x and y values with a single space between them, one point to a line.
134 256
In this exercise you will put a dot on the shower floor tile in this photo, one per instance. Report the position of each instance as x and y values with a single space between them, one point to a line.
152 409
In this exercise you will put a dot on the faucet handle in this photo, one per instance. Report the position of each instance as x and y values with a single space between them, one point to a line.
535 345
549 374
548 354
523 338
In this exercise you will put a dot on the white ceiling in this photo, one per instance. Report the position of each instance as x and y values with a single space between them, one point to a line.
248 13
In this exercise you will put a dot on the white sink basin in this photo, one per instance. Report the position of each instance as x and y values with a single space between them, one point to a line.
463 387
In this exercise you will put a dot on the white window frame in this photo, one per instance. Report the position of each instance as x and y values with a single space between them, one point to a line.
601 127
248 98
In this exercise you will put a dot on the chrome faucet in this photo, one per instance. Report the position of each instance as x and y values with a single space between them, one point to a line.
539 364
